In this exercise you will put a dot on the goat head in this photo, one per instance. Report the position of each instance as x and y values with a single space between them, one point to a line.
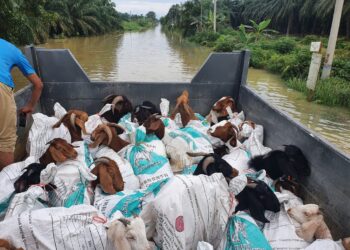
142 112
108 176
74 120
59 150
120 107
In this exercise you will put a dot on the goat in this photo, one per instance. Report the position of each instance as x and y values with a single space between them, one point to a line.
213 163
5 245
128 234
311 221
236 157
120 107
222 110
107 134
58 151
277 163
257 197
108 176
74 120
143 111
31 176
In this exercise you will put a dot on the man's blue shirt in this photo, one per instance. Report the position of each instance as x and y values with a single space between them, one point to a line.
11 56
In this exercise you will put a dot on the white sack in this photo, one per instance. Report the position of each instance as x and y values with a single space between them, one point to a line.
204 246
237 158
326 244
189 209
72 179
32 199
42 132
237 119
126 202
254 143
8 176
78 227
280 232
148 158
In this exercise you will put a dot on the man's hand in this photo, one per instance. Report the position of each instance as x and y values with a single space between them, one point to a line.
28 109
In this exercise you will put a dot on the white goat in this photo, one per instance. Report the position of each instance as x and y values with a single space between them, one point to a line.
128 234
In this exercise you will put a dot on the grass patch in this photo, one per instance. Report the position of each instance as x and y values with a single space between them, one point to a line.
137 25
332 92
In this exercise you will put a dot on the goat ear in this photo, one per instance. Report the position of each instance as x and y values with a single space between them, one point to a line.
56 155
106 180
157 127
81 124
233 142
98 140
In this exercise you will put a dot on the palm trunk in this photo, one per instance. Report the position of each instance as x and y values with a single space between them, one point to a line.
347 27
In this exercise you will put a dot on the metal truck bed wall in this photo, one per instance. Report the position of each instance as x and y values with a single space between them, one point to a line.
221 75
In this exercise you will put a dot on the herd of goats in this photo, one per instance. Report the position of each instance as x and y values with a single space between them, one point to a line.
155 153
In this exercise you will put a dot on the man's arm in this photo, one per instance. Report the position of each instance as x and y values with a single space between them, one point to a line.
38 86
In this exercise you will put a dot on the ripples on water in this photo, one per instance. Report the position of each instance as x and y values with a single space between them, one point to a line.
156 56
333 123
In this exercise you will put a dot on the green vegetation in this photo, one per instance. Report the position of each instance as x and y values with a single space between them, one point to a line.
34 21
139 22
288 56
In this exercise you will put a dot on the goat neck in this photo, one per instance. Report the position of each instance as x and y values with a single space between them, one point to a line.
118 143
46 158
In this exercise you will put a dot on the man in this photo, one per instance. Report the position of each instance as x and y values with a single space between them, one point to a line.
11 56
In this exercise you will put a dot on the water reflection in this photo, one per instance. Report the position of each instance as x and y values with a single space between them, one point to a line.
333 123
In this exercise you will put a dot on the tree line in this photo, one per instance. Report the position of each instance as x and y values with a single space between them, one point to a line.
298 17
34 21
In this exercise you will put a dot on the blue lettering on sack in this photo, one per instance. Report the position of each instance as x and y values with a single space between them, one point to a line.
77 197
145 162
5 203
243 234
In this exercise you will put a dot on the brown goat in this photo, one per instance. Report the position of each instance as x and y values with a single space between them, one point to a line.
106 134
108 176
74 120
58 151
155 125
220 109
225 133
5 245
182 107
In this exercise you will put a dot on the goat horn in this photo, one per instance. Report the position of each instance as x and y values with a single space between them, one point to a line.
80 123
101 160
124 221
115 101
112 124
108 131
72 120
107 97
58 124
192 154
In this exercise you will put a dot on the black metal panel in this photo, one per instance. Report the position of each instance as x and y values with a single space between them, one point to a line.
328 184
56 65
89 96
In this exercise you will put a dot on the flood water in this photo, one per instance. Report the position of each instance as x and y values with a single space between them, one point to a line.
153 55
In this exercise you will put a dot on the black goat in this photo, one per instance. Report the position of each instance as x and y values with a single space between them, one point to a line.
143 111
257 197
31 177
277 163
213 163
120 107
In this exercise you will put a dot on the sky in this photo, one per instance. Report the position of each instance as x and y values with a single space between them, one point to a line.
160 7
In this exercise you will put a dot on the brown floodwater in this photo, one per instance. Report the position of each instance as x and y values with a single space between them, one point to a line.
153 55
